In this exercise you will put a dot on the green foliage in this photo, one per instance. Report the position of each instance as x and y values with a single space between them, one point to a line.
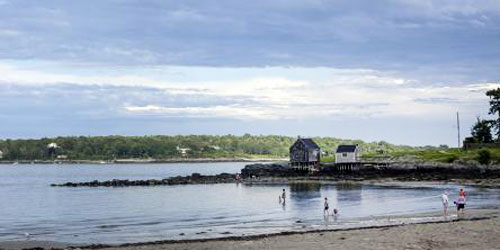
165 147
481 131
447 155
484 156
326 159
494 95
216 147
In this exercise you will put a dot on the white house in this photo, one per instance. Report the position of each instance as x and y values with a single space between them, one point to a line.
62 157
347 154
183 151
1 154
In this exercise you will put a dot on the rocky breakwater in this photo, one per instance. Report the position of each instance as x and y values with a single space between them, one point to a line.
280 169
195 178
417 171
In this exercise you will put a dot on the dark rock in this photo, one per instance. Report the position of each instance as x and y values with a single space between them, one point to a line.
268 170
178 180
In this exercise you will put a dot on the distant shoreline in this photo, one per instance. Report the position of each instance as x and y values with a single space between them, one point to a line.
146 161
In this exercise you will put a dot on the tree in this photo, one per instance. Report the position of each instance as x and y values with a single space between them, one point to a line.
481 131
494 95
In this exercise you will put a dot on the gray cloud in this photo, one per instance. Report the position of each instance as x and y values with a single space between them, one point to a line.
438 100
459 38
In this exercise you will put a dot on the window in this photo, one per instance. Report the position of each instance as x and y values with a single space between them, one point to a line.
344 154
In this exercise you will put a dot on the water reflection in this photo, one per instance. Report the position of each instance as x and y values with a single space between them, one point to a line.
348 196
300 191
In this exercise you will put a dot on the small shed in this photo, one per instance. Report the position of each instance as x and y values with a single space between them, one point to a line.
305 154
347 154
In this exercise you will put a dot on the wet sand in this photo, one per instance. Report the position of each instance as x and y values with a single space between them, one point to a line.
478 229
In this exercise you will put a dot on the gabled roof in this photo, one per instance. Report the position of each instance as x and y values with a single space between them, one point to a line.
346 148
308 143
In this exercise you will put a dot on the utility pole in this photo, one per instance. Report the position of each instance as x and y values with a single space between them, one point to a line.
458 129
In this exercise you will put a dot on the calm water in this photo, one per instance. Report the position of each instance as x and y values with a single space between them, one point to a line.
133 214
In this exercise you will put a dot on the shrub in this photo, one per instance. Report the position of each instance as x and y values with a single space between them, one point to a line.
451 158
484 157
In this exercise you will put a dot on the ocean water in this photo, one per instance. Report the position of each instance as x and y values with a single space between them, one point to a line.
87 215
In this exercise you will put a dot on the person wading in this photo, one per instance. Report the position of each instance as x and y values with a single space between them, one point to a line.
325 211
282 197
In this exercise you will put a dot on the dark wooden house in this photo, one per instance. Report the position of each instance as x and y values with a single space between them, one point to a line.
305 154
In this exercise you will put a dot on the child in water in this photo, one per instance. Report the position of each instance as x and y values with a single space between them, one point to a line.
326 206
282 197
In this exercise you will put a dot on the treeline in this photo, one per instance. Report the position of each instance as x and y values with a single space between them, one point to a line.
170 147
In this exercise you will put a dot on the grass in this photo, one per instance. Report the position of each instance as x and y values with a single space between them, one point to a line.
326 159
437 155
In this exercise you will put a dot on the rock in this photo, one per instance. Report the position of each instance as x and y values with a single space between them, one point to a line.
268 170
195 178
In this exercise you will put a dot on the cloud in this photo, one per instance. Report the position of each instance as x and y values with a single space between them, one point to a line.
257 94
315 101
271 99
403 36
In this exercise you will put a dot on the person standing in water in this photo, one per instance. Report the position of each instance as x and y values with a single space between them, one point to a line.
282 197
444 199
326 206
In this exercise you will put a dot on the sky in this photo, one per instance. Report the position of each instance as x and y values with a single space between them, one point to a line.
391 70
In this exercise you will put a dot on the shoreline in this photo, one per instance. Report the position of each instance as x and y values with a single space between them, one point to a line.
146 161
475 216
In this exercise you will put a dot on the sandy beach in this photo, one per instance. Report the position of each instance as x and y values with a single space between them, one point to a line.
478 229
469 233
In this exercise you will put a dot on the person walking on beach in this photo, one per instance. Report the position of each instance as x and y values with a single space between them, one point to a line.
326 206
460 202
444 199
